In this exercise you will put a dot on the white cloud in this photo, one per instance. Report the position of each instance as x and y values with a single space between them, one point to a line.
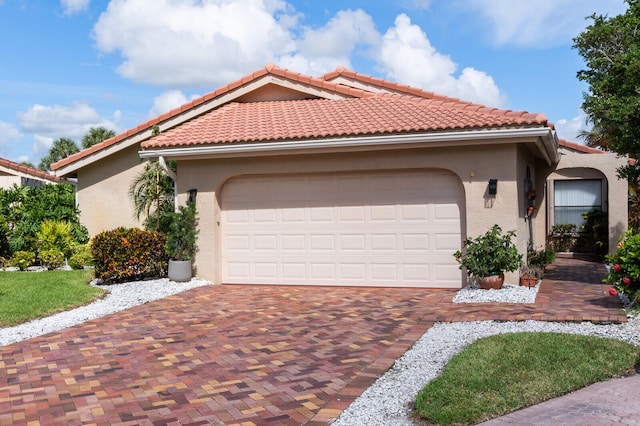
198 43
48 123
193 43
540 23
407 56
570 128
167 101
74 6
323 49
8 135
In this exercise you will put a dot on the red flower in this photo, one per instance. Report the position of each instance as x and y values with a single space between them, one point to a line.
616 267
613 292
626 281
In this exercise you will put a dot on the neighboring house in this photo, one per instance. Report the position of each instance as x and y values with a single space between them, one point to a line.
343 179
12 173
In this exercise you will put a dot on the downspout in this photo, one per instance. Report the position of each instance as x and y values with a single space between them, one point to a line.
174 178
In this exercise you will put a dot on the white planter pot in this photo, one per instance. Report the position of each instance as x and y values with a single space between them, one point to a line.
180 270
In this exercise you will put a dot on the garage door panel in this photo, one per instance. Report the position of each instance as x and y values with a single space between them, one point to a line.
383 229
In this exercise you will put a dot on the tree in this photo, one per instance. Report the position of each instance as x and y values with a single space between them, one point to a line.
152 194
610 48
96 135
61 148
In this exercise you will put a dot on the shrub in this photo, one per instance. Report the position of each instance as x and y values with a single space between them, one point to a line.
55 235
491 253
624 271
52 259
182 234
23 259
81 256
562 237
129 254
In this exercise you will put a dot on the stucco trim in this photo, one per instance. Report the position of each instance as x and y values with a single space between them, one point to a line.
544 138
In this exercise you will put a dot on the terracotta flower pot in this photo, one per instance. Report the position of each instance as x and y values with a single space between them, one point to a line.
528 280
492 281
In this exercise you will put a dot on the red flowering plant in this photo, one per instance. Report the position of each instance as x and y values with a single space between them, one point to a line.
624 268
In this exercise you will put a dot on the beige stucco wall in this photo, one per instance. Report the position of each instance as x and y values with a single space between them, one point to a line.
585 166
102 195
474 166
7 181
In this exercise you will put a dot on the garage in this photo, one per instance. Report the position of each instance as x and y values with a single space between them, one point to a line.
390 228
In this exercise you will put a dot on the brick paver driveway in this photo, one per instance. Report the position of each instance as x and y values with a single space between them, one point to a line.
215 355
251 354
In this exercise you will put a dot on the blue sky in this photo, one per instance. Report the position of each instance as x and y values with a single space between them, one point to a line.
70 65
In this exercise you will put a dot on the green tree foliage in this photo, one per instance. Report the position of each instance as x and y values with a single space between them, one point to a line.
152 194
61 148
610 47
96 135
23 210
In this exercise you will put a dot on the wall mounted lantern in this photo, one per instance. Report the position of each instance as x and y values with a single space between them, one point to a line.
192 195
493 186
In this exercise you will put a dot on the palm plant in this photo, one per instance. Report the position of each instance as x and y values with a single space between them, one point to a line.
152 194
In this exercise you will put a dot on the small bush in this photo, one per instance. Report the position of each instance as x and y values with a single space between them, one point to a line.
23 259
52 259
55 235
624 273
129 254
563 237
81 257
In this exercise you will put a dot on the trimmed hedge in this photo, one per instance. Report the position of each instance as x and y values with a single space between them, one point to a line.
129 254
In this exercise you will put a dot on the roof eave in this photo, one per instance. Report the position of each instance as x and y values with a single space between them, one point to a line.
543 137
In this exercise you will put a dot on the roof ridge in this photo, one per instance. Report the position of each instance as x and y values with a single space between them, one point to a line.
269 68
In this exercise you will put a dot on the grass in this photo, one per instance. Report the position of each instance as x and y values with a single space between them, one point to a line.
499 374
25 296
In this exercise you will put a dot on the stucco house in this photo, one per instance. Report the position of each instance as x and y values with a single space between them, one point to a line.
347 179
12 173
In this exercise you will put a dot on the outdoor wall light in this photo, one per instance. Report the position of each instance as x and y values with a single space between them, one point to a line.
192 195
493 186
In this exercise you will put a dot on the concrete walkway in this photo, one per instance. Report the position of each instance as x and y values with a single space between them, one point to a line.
250 355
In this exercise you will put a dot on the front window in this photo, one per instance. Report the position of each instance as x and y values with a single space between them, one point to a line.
575 197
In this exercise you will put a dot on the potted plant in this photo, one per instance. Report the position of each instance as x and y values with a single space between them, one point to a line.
181 242
537 260
487 257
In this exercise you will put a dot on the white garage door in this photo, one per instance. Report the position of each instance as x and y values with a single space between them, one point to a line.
374 229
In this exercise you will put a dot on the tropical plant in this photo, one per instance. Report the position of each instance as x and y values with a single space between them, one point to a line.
491 253
624 269
152 193
23 209
22 259
128 254
81 256
60 149
96 135
610 47
182 234
55 235
51 258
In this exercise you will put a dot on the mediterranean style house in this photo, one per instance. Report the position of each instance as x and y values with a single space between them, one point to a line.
347 179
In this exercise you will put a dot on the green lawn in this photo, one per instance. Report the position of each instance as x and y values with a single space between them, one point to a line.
503 373
29 295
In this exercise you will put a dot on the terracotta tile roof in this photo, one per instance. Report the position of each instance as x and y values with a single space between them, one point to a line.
36 173
321 118
269 69
574 146
346 119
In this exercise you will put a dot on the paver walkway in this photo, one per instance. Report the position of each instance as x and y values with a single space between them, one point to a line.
252 354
